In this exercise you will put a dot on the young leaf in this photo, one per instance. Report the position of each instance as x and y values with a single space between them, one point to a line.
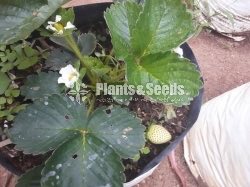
145 150
30 52
11 56
87 43
162 26
98 68
6 67
2 47
4 82
3 58
2 54
82 73
20 18
58 59
165 69
26 62
136 157
121 19
10 117
61 42
2 100
15 92
68 15
4 113
10 100
41 85
100 71
88 149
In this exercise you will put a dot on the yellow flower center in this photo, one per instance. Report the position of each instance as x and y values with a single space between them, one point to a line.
59 27
72 75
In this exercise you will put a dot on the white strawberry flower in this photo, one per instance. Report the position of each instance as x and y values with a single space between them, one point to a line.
69 25
69 76
179 51
58 27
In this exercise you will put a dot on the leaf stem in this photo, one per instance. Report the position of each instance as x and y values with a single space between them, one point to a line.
91 106
71 41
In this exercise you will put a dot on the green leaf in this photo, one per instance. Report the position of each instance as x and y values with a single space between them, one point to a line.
145 150
11 56
83 162
44 32
19 108
136 157
61 42
82 73
98 68
165 69
88 149
100 72
18 49
121 19
15 92
7 92
123 133
2 54
162 26
30 52
4 58
31 178
87 43
10 117
58 59
159 27
61 115
2 100
6 67
2 47
20 18
24 63
4 82
68 15
41 85
4 113
10 100
49 122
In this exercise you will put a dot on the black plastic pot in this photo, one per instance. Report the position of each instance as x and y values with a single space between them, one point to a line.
92 13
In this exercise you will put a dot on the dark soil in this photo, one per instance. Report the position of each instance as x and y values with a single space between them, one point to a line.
21 161
150 112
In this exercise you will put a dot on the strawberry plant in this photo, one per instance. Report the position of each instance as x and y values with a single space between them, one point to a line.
88 141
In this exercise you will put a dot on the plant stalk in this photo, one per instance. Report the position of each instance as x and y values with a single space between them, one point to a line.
91 106
70 40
